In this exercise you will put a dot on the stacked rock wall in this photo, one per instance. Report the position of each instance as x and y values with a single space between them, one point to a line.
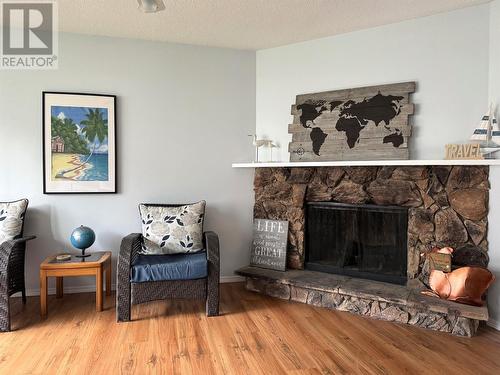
448 206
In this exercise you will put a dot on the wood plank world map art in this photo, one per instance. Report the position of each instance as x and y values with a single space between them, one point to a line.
354 124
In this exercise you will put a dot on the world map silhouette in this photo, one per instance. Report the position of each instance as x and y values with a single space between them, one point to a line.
354 116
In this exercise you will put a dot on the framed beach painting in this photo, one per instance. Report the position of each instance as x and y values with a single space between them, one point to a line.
79 143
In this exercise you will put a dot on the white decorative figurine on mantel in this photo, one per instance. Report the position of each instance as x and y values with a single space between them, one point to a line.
262 143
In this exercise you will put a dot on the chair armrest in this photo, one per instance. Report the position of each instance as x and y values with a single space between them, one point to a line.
213 256
18 241
7 247
212 246
129 250
213 271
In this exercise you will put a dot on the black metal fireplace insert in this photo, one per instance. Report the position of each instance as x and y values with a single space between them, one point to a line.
366 241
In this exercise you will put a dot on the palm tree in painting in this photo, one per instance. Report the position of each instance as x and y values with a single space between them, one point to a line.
68 131
96 127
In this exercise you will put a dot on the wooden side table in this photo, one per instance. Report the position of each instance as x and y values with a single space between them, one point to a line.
94 265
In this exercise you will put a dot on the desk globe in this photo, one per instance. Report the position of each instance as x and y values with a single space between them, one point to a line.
82 238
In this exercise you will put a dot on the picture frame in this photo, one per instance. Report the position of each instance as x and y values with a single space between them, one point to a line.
79 143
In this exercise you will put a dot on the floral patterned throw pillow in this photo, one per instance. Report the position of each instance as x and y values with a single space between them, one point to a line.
172 230
11 219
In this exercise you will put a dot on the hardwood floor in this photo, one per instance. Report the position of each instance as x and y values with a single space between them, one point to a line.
254 335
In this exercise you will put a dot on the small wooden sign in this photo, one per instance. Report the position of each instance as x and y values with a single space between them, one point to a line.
270 238
468 151
440 262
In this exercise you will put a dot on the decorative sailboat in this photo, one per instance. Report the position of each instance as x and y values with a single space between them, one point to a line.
487 134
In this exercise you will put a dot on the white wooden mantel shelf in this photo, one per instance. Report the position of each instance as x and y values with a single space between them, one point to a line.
366 163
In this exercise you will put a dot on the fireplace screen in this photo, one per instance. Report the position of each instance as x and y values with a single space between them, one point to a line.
364 241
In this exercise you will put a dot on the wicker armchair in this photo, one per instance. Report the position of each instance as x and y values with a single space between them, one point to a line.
131 293
11 275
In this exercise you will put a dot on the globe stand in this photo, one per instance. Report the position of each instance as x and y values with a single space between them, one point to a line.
83 254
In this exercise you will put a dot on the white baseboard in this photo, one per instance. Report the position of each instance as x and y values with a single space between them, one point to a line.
67 290
232 279
91 288
494 324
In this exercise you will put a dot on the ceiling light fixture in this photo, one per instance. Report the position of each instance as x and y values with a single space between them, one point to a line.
151 6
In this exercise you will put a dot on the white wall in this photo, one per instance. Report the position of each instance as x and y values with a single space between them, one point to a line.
453 58
184 113
446 54
494 215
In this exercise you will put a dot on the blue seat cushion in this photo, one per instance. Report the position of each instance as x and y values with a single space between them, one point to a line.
186 266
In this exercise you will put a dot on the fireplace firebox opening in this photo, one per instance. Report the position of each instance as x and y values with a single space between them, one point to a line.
365 241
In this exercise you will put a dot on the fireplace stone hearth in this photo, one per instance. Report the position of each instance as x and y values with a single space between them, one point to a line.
377 300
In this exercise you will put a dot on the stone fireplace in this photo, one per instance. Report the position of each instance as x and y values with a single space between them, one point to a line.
447 206
440 206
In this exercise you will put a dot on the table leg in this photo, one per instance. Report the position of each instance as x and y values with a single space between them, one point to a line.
59 287
43 294
108 278
98 287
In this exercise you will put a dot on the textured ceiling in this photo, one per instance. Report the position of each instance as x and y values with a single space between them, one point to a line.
243 24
